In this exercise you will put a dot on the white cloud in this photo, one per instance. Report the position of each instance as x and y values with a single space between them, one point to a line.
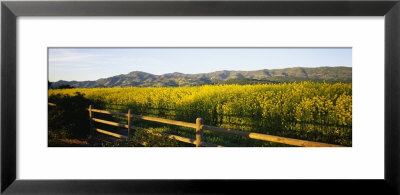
69 57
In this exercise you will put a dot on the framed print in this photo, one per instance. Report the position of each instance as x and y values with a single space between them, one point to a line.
167 37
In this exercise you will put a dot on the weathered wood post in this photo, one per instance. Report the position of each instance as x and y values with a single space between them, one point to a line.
199 131
129 123
91 121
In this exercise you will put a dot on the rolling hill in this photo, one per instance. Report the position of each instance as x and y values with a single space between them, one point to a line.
176 79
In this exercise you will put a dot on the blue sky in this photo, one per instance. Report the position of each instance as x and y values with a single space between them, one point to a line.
82 64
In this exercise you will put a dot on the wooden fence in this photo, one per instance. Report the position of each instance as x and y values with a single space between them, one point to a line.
198 126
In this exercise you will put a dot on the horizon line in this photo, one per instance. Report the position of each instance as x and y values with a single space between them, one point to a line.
203 72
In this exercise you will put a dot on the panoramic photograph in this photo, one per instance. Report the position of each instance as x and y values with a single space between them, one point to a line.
199 97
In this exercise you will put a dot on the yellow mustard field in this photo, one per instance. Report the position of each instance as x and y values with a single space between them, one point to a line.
307 110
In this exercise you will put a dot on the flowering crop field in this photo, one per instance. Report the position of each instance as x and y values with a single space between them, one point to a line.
312 111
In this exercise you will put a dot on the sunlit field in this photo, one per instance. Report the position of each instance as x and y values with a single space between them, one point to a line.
313 111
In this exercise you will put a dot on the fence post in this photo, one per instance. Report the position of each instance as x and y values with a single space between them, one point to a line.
129 122
91 120
199 131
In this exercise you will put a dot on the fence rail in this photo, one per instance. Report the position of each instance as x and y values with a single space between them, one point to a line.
199 126
271 138
109 123
109 112
179 138
111 133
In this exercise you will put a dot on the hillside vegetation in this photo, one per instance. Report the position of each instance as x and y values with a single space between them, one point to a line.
143 79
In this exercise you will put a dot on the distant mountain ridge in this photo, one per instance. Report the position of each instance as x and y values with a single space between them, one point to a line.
143 79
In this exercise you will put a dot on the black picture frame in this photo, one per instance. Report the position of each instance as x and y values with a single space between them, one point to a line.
11 10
